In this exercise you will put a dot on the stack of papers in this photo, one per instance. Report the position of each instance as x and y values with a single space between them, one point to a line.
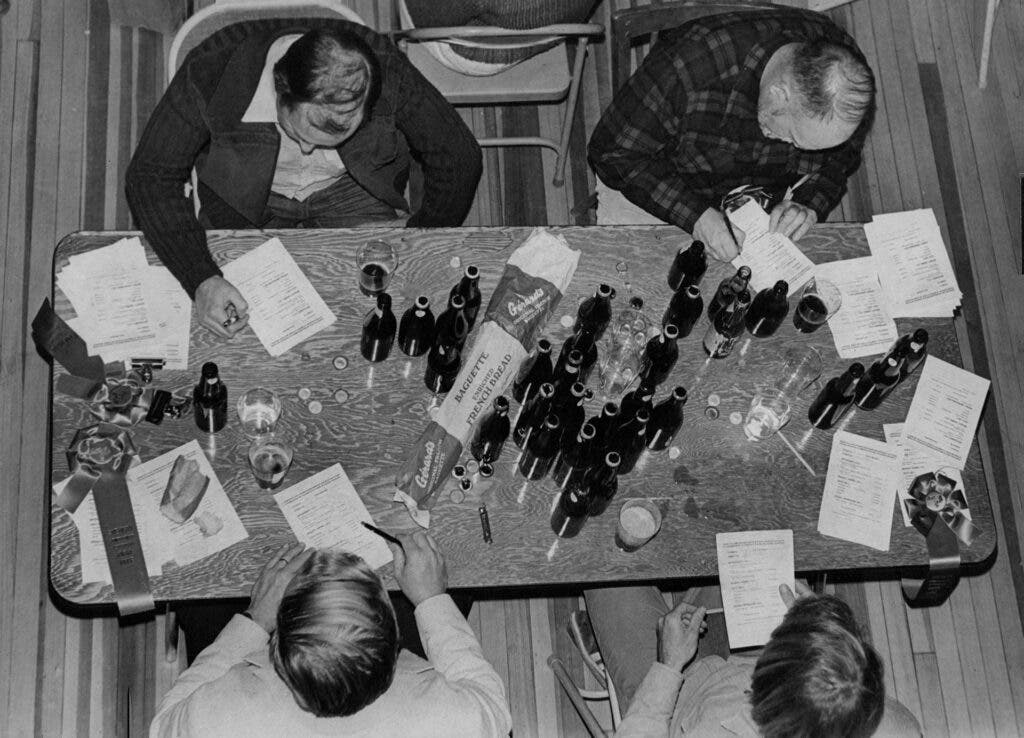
284 308
770 256
213 527
913 265
863 325
125 307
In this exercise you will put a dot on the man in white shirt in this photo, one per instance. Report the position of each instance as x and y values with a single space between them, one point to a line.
317 653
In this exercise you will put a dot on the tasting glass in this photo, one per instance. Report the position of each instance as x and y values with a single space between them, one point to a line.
800 367
376 263
819 301
639 521
258 410
270 457
620 351
769 411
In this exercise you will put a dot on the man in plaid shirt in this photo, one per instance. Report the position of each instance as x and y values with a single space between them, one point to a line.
768 98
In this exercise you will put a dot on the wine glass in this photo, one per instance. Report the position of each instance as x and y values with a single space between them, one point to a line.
377 262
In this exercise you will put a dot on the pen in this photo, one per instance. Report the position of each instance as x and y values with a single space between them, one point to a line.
791 190
485 523
382 534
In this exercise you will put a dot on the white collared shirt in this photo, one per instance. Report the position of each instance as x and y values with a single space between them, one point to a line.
296 175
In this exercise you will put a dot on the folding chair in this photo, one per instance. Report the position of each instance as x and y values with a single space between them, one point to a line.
208 21
544 78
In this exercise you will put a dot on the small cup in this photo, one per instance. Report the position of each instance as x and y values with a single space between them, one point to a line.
259 410
769 411
639 521
270 457
819 301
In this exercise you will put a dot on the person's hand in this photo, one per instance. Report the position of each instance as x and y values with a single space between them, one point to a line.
213 297
678 633
788 598
272 581
712 229
791 219
419 567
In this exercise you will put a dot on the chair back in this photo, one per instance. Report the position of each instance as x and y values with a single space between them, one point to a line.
208 21
637 26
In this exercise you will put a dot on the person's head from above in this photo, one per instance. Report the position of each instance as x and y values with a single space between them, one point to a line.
814 95
818 675
336 641
326 84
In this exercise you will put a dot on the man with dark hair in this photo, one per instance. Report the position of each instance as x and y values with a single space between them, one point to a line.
817 676
773 98
317 653
292 123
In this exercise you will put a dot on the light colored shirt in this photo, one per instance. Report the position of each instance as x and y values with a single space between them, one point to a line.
711 697
296 175
232 689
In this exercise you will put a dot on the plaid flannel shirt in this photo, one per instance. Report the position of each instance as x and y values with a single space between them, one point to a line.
683 130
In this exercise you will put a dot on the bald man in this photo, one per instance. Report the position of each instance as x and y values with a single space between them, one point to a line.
772 98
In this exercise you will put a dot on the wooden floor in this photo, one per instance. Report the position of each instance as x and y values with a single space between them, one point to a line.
78 79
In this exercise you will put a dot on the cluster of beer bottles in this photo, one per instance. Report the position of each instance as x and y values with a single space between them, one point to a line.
867 389
584 457
733 309
442 339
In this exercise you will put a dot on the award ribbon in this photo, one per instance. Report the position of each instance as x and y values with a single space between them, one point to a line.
99 456
936 510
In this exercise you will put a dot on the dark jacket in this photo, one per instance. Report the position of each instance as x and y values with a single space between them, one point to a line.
198 124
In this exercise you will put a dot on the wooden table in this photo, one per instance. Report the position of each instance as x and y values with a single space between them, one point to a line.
719 482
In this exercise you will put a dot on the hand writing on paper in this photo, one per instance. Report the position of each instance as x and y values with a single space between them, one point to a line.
802 590
678 633
214 300
791 219
712 229
419 567
272 582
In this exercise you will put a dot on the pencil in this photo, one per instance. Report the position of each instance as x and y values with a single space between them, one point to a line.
382 534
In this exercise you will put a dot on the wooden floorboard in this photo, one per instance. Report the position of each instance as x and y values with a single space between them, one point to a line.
938 142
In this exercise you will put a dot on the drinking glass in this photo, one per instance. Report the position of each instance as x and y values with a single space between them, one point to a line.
769 411
639 521
819 301
800 367
270 458
377 262
620 351
258 409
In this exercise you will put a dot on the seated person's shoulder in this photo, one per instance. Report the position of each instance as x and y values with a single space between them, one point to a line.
897 721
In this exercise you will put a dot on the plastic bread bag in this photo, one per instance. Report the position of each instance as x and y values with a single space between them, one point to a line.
531 286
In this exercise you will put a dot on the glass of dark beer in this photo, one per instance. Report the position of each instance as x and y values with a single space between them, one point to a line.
819 301
377 262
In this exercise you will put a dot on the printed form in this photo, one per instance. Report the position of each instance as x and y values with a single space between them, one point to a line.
284 307
859 490
862 325
770 256
751 566
325 511
944 413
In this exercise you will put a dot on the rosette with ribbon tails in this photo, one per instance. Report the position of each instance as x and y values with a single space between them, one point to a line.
99 457
937 508
122 401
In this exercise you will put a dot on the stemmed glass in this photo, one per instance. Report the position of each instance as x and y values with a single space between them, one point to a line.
377 262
